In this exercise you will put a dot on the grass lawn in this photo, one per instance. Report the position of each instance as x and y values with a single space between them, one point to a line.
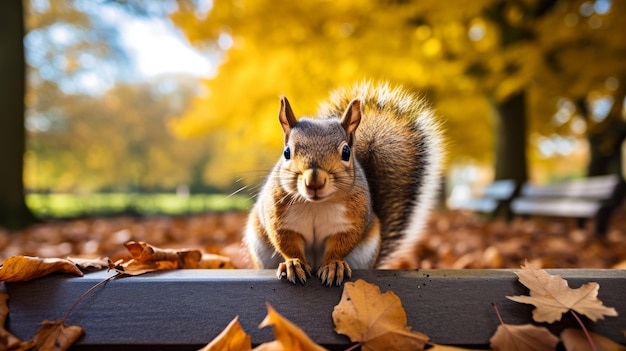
73 205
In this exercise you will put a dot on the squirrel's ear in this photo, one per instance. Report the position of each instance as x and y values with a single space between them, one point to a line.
285 116
352 117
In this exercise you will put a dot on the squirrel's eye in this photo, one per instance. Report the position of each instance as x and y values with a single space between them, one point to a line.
287 153
345 153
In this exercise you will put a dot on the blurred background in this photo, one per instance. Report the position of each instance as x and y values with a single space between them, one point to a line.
169 106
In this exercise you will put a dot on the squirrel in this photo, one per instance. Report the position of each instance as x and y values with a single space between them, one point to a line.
352 189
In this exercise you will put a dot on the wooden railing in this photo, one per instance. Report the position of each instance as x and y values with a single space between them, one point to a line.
185 309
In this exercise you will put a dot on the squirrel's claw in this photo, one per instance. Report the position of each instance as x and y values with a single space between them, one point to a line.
292 269
334 271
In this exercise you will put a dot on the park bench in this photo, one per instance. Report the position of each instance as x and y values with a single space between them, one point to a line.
590 198
185 309
494 200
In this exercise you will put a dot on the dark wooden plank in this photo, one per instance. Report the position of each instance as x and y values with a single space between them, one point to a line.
187 308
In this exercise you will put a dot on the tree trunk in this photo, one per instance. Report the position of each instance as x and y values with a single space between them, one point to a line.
606 138
510 128
13 211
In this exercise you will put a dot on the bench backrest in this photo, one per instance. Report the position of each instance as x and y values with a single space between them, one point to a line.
500 189
601 187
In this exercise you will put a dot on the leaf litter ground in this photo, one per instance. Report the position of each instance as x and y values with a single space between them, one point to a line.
452 239
363 322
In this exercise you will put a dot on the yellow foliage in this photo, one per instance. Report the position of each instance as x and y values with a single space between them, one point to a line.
448 50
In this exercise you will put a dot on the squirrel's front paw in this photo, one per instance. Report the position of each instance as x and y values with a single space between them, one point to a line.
294 268
334 271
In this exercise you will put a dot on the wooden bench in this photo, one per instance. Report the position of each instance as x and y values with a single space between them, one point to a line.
594 197
185 309
494 200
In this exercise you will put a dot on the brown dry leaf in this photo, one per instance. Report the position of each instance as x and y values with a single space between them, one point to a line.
133 267
148 258
525 337
175 259
24 268
287 335
552 297
212 261
7 339
375 320
90 264
436 347
233 338
56 336
575 340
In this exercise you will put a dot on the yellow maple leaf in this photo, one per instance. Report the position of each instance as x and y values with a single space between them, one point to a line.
375 320
288 335
233 338
25 268
552 297
575 340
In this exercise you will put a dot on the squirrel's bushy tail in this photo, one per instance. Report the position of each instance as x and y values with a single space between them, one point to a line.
399 145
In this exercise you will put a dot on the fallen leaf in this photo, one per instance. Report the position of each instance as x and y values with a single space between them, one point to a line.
7 339
233 338
375 320
175 259
575 340
132 267
56 336
523 338
270 346
144 253
25 268
552 297
287 335
212 261
437 347
148 258
90 264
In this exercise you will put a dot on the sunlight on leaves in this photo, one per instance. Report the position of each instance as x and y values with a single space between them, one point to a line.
374 319
287 335
233 338
148 258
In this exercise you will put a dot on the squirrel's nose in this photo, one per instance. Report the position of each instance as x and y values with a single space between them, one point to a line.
315 179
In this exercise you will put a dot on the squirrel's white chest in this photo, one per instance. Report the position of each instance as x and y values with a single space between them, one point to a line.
316 222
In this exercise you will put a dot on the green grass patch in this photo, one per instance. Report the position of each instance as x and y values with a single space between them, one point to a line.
74 205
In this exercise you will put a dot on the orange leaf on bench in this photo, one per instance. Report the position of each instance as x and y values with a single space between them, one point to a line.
25 268
148 258
374 319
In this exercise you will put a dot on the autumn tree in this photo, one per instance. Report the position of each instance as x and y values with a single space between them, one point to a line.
111 135
13 210
478 64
